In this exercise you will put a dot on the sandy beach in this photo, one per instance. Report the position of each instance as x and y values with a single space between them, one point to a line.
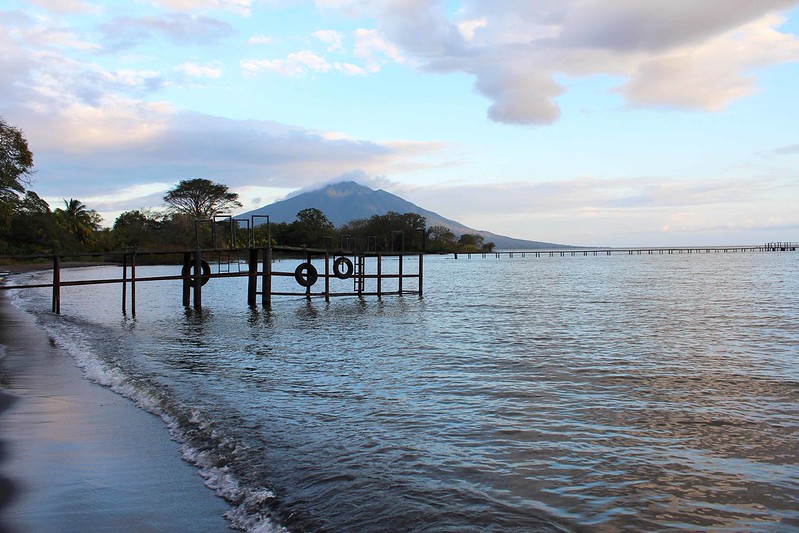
75 456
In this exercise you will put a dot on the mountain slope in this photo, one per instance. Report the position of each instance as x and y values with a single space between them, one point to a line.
347 200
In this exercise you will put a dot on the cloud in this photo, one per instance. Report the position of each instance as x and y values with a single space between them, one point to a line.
257 40
698 55
349 69
714 73
787 150
588 194
332 38
295 64
241 7
66 6
179 28
620 211
95 149
374 49
214 70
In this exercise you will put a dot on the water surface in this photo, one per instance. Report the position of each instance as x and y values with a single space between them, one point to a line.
519 394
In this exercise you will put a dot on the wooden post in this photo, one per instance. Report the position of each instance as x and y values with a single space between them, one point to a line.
57 285
124 283
133 284
252 277
327 276
421 273
266 279
308 288
400 274
198 281
379 275
186 279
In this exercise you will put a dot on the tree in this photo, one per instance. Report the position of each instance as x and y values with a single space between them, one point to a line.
200 198
310 228
139 227
472 240
16 162
441 239
78 220
33 228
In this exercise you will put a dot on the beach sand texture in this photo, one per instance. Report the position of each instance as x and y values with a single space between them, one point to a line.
75 456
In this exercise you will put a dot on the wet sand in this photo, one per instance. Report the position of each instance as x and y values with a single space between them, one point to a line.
75 456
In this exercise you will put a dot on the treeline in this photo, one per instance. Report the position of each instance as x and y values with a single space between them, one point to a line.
29 226
379 233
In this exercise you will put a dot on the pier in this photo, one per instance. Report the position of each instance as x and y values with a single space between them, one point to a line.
195 271
667 250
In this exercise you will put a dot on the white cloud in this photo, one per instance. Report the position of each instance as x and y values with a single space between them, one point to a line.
67 6
332 38
682 52
257 40
469 27
712 74
373 49
349 69
201 71
241 7
592 211
179 28
295 64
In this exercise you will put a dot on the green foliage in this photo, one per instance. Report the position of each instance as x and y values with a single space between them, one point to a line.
16 164
440 239
200 198
134 228
390 232
311 228
16 161
34 228
78 220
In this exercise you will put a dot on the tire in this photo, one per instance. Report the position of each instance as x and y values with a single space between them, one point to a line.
188 270
348 268
306 280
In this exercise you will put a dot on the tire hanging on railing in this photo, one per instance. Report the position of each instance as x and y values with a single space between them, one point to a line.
306 274
188 270
346 273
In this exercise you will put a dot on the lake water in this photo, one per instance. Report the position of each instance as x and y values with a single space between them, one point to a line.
528 394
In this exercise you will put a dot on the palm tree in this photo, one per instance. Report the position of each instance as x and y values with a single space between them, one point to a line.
78 220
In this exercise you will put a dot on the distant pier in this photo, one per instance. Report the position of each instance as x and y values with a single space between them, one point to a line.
665 250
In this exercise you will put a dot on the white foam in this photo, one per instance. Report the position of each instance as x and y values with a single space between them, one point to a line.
247 513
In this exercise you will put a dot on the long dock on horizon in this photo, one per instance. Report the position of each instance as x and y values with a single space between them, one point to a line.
667 250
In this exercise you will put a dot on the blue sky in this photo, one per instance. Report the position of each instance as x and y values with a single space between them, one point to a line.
592 122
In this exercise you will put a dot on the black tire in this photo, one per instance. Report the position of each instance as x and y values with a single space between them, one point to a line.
306 280
347 273
189 270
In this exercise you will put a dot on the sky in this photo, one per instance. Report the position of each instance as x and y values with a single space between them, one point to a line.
583 122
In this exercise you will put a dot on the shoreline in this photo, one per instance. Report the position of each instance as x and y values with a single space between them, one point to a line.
75 456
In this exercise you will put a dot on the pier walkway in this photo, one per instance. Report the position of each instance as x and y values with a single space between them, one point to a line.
563 252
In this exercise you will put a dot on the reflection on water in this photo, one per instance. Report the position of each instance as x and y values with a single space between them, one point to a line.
641 393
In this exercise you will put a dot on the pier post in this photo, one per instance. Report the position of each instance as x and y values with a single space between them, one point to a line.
400 273
327 276
57 285
252 276
421 274
379 275
186 279
266 279
124 283
198 281
308 288
133 284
